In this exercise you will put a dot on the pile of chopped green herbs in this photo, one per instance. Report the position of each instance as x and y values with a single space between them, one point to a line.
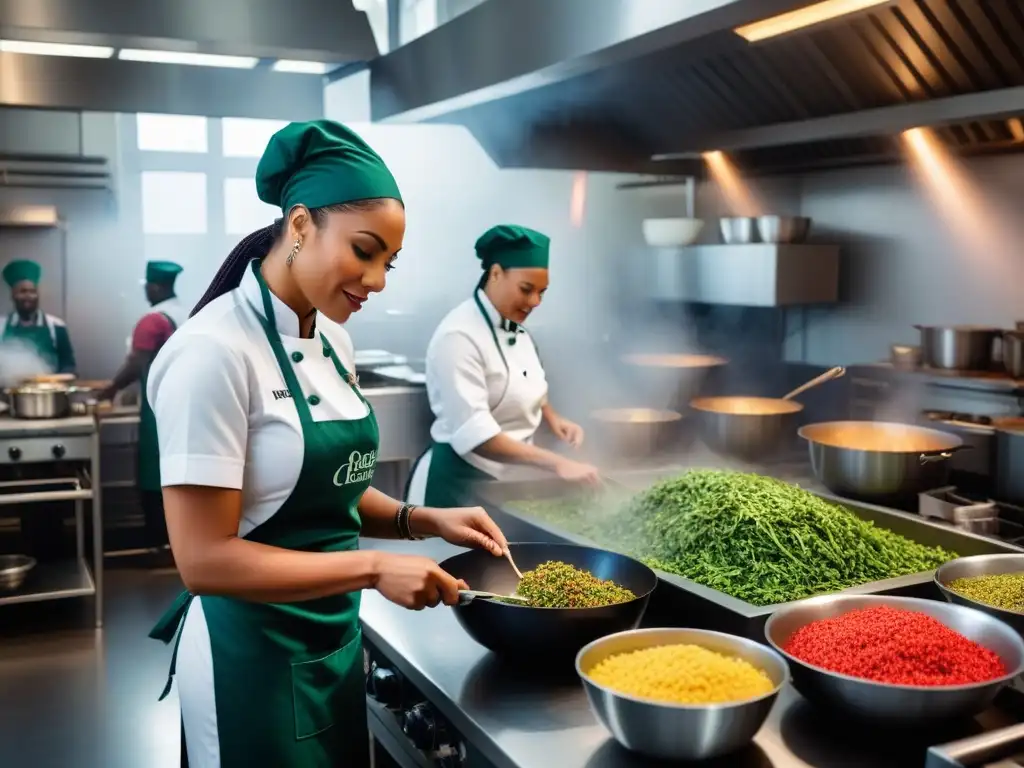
756 538
558 585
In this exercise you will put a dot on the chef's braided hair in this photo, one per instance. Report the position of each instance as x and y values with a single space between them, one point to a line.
258 244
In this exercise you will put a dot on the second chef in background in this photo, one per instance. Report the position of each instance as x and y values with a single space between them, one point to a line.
165 315
45 335
485 380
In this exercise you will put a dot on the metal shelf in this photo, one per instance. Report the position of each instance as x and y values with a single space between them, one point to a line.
73 578
45 490
53 581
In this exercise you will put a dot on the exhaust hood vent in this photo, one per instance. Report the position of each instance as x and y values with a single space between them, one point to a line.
846 88
39 172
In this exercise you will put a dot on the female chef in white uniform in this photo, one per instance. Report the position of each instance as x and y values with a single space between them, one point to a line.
267 449
485 382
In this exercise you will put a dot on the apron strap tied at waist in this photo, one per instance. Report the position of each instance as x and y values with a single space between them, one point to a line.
168 628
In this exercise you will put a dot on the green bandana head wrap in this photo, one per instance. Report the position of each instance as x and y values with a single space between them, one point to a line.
21 270
162 272
513 247
319 164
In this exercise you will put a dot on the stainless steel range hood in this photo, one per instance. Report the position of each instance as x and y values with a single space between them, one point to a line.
578 84
330 32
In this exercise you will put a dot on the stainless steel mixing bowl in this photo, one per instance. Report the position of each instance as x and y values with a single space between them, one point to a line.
736 230
14 570
981 565
783 229
676 731
744 427
897 705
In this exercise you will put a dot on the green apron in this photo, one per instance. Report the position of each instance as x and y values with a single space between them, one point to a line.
149 447
289 678
37 337
451 478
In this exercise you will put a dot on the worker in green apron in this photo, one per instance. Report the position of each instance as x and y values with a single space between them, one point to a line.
267 450
152 331
486 383
44 335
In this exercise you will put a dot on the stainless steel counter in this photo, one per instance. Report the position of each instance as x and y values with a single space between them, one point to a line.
516 720
404 418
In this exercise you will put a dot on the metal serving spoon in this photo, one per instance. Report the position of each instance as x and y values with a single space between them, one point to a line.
469 595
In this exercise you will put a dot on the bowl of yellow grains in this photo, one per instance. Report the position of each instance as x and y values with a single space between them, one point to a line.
993 584
681 694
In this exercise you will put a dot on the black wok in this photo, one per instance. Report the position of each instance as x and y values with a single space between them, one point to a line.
516 630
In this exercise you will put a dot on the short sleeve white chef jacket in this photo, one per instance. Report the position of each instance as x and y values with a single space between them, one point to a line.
224 414
472 393
225 419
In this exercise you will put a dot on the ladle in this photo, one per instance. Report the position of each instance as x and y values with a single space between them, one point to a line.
832 373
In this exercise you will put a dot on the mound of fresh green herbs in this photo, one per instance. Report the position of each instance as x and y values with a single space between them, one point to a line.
753 537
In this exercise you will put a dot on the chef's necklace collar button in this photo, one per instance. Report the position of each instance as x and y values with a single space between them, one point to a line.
297 357
313 400
327 352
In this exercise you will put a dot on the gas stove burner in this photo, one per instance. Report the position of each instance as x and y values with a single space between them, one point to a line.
963 418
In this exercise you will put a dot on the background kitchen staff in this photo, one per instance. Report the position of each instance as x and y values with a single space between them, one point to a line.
485 381
152 331
267 448
46 335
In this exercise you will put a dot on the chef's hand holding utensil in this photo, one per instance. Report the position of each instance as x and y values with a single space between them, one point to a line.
462 526
415 582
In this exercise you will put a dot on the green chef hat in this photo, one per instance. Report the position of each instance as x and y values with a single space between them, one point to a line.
162 272
513 247
23 269
321 163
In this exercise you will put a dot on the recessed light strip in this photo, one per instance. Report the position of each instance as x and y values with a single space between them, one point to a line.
803 17
187 59
32 48
301 67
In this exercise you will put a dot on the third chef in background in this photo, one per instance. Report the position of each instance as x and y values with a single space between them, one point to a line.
164 316
485 381
42 333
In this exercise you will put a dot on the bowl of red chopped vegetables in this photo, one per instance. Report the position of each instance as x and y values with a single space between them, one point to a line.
904 661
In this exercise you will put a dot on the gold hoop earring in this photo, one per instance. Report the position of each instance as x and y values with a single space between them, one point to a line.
295 251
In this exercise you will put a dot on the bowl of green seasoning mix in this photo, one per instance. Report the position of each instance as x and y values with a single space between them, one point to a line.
991 583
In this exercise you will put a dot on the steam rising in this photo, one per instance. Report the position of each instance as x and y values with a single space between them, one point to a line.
19 361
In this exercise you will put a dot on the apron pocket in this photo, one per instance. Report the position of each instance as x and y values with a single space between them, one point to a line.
323 689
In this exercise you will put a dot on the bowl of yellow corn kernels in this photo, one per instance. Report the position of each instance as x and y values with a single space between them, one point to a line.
681 694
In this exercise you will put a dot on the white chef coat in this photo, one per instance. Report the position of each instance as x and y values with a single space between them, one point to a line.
225 420
473 394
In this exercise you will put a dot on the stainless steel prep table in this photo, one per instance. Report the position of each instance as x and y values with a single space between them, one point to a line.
508 720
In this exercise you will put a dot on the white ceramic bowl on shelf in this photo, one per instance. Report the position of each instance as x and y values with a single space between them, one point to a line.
671 233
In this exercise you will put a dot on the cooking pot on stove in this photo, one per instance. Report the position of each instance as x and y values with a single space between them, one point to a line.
40 400
879 462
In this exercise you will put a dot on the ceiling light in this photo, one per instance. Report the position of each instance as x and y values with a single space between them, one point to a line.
187 59
56 49
301 67
803 17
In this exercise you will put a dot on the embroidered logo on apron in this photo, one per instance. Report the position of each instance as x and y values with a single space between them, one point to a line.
359 468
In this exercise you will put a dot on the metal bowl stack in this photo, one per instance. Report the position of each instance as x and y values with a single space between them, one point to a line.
14 570
981 565
676 731
897 705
